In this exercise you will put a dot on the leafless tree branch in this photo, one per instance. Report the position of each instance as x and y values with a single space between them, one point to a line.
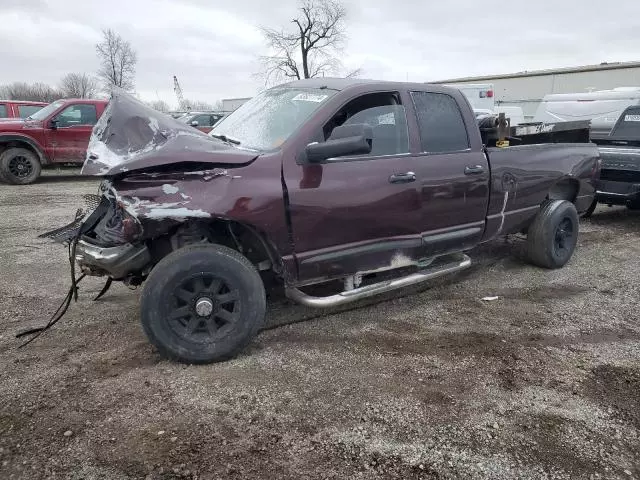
117 61
312 49
78 85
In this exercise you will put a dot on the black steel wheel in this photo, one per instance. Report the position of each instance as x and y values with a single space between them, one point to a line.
553 235
19 166
202 303
204 308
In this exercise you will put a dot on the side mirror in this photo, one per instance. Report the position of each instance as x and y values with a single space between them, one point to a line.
54 123
194 123
344 140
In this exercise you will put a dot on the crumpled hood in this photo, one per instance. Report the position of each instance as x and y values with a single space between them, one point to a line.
132 136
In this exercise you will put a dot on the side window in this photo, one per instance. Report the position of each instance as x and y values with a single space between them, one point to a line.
25 111
77 115
441 125
384 113
3 110
203 120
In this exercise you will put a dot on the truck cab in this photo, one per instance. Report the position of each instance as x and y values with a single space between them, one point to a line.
56 134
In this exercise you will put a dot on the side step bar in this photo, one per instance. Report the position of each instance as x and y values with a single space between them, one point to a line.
443 266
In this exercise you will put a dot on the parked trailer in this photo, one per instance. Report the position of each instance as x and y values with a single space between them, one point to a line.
602 107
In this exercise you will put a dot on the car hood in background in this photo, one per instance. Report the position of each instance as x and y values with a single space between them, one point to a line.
132 136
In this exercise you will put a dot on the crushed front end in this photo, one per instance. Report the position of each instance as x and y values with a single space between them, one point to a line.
105 239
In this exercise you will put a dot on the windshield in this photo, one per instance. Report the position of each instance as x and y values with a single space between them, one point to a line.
268 119
46 111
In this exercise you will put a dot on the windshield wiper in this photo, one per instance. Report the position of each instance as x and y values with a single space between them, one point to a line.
226 138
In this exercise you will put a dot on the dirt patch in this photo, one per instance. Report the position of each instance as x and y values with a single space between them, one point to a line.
426 383
618 388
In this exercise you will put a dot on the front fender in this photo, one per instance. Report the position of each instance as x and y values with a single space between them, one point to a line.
20 138
162 200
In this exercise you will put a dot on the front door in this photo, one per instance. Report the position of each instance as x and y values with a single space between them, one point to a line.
69 136
357 213
454 176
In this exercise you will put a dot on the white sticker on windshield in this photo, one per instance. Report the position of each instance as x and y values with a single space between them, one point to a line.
632 118
309 97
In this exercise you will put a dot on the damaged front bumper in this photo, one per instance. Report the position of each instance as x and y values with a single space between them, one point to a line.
103 238
117 262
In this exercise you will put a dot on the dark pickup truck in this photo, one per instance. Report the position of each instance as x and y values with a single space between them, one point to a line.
366 185
619 182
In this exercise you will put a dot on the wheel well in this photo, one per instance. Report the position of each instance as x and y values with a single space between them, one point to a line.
4 145
251 243
565 189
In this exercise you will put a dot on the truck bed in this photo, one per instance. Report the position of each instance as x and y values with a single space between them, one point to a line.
520 179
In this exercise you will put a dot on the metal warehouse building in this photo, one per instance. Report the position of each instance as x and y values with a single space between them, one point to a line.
526 89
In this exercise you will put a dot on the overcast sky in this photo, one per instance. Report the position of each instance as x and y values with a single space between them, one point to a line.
213 46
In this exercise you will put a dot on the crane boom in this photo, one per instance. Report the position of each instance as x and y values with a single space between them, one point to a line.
178 90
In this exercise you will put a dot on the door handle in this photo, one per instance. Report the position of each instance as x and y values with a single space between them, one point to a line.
402 177
473 169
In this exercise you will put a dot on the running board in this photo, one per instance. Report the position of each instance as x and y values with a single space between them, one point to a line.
443 266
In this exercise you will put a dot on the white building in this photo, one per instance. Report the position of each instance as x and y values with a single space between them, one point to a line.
231 104
526 89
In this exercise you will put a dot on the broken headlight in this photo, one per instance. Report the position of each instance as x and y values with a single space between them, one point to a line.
116 227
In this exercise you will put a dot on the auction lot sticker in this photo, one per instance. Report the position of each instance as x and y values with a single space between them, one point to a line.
309 97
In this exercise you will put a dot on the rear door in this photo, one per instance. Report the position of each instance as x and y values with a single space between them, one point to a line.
25 111
357 213
454 175
70 138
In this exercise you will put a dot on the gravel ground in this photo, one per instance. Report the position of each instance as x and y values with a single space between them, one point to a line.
432 383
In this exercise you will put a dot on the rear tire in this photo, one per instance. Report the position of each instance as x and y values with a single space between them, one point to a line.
19 166
202 304
635 205
553 235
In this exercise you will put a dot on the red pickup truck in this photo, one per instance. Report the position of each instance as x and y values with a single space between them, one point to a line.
57 133
19 108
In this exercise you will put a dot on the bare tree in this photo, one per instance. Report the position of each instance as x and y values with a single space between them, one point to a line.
78 85
117 60
159 105
311 48
36 92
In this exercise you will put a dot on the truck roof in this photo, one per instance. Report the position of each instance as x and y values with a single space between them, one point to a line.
27 102
348 83
85 100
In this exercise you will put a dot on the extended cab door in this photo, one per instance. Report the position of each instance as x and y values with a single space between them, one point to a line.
69 132
453 174
361 212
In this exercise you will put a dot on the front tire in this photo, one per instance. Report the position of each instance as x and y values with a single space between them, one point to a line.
202 304
19 166
553 235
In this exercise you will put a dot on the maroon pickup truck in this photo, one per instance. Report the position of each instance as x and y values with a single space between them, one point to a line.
365 186
57 133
